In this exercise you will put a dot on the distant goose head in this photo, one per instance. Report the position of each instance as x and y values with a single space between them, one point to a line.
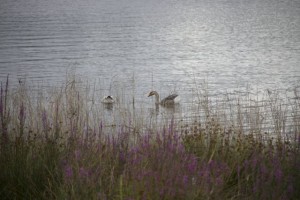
169 100
108 99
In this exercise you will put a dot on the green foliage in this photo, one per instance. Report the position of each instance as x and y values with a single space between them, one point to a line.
29 171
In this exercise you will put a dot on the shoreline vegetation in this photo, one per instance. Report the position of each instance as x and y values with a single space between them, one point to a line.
60 147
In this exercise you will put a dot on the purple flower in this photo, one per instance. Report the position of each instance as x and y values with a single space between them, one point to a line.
263 170
192 165
68 172
278 175
219 181
122 157
185 180
254 163
83 172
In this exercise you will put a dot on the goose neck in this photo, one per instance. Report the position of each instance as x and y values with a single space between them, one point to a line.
156 97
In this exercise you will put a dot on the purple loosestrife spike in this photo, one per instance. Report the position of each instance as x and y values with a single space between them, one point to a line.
181 148
185 180
246 164
263 171
254 162
122 157
192 165
68 172
278 174
83 173
219 181
255 187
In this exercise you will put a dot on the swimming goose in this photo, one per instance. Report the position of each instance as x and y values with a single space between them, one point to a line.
169 100
108 99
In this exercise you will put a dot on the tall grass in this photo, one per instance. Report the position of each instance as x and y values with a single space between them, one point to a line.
60 146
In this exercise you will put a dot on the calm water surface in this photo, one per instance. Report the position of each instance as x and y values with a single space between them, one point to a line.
168 45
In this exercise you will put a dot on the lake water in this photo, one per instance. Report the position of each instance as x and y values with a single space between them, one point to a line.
167 45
